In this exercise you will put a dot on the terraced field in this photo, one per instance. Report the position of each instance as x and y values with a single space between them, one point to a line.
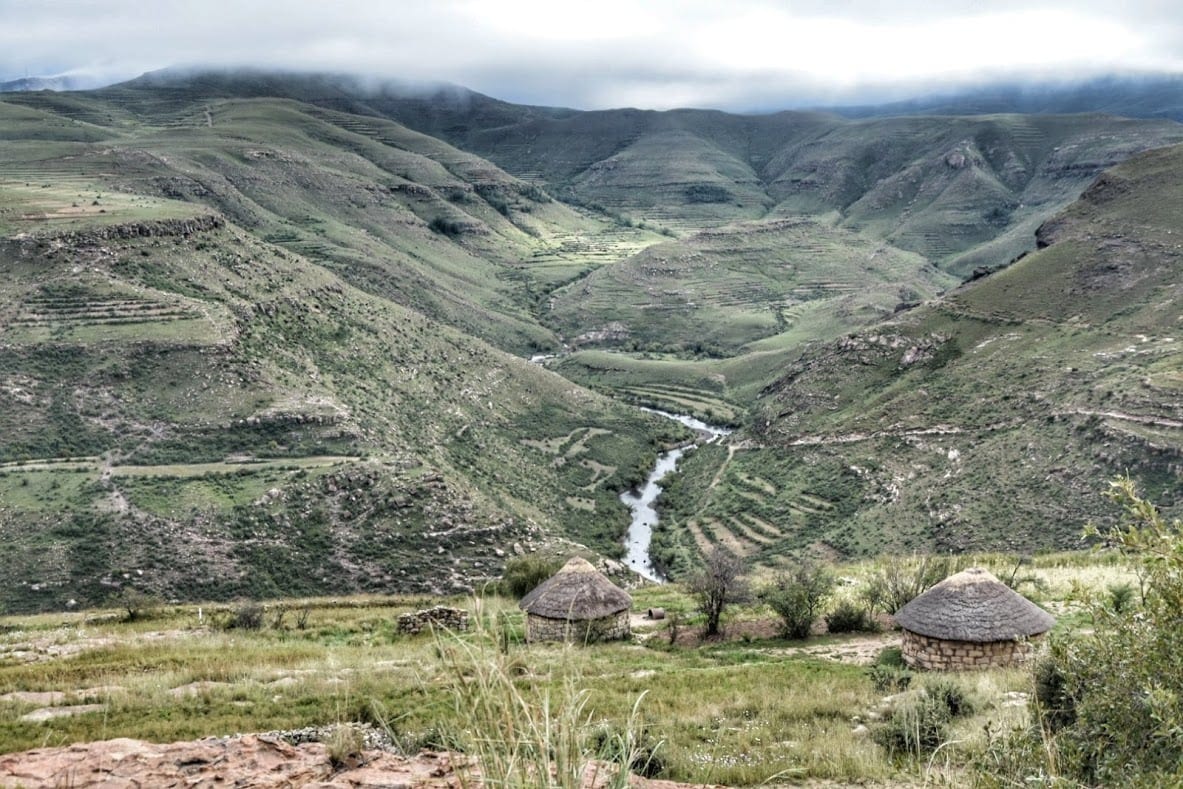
721 290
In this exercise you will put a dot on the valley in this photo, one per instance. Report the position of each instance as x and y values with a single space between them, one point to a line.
255 322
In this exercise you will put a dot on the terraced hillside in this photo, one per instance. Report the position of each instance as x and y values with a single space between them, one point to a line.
991 417
399 214
698 325
197 412
961 191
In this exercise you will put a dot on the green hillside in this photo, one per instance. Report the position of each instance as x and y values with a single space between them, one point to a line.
264 334
203 407
986 418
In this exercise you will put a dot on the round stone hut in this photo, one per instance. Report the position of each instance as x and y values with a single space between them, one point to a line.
578 603
970 620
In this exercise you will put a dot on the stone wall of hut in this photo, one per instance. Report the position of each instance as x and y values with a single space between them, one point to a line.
608 628
937 654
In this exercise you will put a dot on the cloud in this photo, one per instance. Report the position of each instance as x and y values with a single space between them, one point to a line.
611 52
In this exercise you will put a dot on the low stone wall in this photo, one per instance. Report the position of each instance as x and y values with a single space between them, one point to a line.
935 654
608 628
440 616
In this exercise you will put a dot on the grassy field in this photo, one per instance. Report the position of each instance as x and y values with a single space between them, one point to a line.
746 710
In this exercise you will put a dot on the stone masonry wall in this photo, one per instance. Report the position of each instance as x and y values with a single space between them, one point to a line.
608 628
440 616
935 654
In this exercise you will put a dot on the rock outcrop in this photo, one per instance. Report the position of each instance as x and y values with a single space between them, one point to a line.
258 761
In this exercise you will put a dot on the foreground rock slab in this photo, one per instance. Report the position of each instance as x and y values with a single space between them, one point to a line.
251 760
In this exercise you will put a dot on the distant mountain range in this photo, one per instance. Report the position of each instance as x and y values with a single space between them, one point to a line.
1131 96
1147 96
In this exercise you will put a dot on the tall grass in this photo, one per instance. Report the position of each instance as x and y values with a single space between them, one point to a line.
528 733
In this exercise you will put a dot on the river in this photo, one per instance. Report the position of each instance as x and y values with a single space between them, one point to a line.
643 503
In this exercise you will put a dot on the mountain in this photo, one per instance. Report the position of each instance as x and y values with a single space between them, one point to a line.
1131 96
265 334
990 418
55 83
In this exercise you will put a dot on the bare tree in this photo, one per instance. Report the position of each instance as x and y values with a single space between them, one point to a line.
719 582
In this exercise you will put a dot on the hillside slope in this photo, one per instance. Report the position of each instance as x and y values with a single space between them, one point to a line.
395 212
200 413
990 418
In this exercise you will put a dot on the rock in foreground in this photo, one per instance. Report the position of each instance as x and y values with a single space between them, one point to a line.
250 760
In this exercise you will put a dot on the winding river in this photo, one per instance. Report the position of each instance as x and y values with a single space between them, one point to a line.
643 503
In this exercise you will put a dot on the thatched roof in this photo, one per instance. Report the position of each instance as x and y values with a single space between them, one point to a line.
576 592
973 605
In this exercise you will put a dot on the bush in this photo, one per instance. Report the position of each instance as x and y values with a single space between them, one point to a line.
447 227
916 727
715 585
137 605
921 723
890 679
902 579
849 617
1107 702
796 597
248 616
955 698
889 673
524 573
345 745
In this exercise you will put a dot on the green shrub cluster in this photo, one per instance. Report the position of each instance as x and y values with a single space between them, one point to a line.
920 723
1107 700
523 573
850 617
797 596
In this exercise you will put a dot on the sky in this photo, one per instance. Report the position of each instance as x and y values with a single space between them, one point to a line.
729 54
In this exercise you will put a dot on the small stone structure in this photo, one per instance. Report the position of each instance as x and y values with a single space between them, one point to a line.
578 603
441 616
970 620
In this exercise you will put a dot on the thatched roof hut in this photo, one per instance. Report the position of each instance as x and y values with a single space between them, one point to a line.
576 603
970 620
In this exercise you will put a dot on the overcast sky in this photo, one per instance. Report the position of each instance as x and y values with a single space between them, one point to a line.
732 54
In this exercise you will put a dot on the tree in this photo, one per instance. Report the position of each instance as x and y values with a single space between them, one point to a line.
716 584
797 597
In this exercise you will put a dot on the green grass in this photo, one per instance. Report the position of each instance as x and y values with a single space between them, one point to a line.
739 712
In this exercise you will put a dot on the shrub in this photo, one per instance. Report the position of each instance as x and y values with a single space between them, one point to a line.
1120 597
136 604
524 573
901 579
345 746
921 723
890 679
447 227
889 673
248 616
916 727
1107 709
849 617
796 597
955 698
